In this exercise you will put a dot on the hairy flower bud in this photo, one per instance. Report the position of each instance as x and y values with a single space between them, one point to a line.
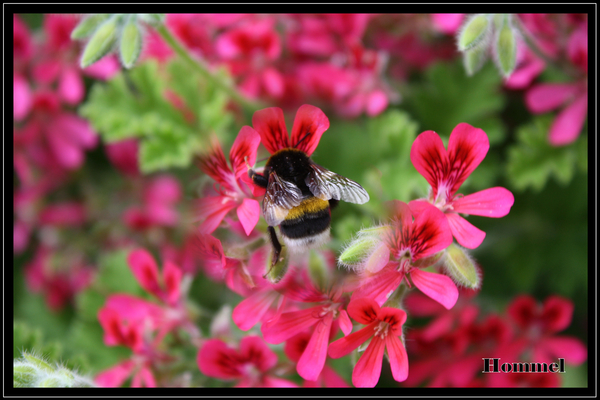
88 26
277 271
475 32
461 267
505 48
474 59
101 43
131 43
34 371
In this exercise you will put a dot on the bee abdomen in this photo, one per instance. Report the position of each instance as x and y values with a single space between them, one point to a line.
310 218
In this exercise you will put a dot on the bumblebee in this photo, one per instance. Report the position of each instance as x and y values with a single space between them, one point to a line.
299 198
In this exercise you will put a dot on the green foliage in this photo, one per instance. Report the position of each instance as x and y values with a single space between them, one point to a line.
136 105
34 370
532 160
447 96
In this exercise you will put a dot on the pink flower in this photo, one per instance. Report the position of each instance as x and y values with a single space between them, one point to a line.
528 68
384 326
309 125
22 42
59 285
250 365
117 375
403 250
567 125
294 349
165 288
321 316
538 325
124 156
447 170
160 196
21 97
250 50
233 185
447 23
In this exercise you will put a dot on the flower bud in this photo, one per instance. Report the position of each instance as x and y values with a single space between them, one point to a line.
277 271
475 32
88 26
33 371
131 43
474 59
360 250
505 49
154 20
317 269
461 267
101 43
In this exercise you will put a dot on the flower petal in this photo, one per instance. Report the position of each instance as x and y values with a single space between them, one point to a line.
494 202
115 376
214 165
467 147
145 270
250 310
398 358
172 278
368 368
345 345
309 125
312 360
437 286
570 348
254 350
21 97
248 212
213 209
466 234
363 310
70 86
289 324
548 96
429 157
270 125
245 145
430 233
344 322
568 124
217 360
379 286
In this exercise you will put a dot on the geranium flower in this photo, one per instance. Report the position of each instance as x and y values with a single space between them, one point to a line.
251 365
402 250
447 170
233 185
309 125
384 326
160 195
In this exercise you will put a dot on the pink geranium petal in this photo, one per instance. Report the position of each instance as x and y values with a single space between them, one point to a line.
215 165
557 313
270 125
67 153
466 234
289 324
431 233
217 360
145 270
77 130
21 97
467 147
309 125
367 370
250 310
344 322
332 379
494 202
249 212
570 348
172 278
115 376
363 310
70 86
273 82
313 358
254 350
398 358
377 102
345 345
549 96
379 286
568 124
437 286
213 209
244 150
429 157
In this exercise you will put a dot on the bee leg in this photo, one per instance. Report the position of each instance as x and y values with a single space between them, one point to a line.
276 246
258 179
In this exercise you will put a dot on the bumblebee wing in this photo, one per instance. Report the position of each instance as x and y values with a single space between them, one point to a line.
327 185
280 198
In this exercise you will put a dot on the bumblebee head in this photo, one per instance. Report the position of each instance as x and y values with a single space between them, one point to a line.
289 164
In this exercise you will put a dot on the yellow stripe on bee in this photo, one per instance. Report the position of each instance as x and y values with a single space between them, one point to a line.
308 206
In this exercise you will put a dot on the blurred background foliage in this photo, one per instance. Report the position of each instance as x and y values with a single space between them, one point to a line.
540 248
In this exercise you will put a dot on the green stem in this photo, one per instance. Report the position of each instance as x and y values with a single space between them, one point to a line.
564 68
199 66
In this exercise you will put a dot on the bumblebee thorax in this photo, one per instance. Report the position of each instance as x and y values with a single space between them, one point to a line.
290 164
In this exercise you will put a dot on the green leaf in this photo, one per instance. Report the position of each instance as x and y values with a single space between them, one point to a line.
532 160
447 97
172 111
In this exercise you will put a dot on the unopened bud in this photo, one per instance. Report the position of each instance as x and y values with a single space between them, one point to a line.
475 32
152 19
277 271
368 243
318 269
88 26
33 371
131 43
505 49
474 59
101 43
461 267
